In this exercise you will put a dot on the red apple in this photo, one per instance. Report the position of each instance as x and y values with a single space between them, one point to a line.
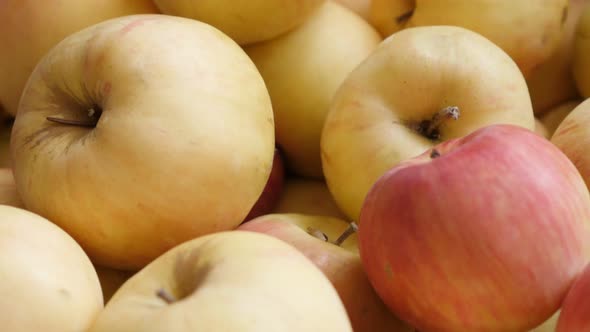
332 246
272 190
485 232
575 311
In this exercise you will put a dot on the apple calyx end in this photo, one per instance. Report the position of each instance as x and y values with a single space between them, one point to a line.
93 113
317 234
351 229
165 296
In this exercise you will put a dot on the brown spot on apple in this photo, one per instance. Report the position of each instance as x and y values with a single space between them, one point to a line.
65 293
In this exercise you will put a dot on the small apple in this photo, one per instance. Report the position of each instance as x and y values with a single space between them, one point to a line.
246 22
8 193
48 282
552 82
226 281
331 244
572 136
553 117
31 28
302 80
581 54
481 233
272 190
111 280
575 310
142 132
528 30
307 196
420 87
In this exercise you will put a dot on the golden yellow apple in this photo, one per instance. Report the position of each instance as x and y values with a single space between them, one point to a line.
142 132
302 69
227 281
246 22
47 282
420 87
31 28
528 30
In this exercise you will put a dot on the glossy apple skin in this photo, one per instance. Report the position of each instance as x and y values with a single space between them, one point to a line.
272 190
341 264
575 311
489 236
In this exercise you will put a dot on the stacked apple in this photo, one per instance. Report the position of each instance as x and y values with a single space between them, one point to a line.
316 165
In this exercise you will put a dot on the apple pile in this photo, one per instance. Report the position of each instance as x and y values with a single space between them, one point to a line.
283 165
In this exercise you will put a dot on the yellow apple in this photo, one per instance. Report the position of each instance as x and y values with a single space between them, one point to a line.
553 117
552 82
361 7
227 281
111 280
30 28
142 132
307 196
47 281
420 87
528 30
302 70
246 22
8 193
331 244
581 54
572 137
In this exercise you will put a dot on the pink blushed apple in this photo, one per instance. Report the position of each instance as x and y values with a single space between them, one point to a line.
575 313
481 233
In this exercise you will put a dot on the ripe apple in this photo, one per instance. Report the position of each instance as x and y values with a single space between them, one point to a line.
575 312
481 233
8 192
246 22
401 101
301 80
111 280
553 117
226 281
581 54
48 282
307 196
272 190
552 82
331 245
142 132
528 30
31 28
572 136
361 7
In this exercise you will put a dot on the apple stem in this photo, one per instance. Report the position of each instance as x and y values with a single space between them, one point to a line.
404 17
430 128
317 233
93 116
352 228
164 295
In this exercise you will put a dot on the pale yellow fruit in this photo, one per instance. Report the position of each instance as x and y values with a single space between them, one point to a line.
29 29
177 141
246 22
302 70
528 30
227 281
394 105
47 282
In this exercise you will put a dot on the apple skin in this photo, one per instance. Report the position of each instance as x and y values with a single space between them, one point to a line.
552 82
183 147
540 23
541 129
410 77
572 137
31 28
341 264
307 196
302 81
553 117
452 243
575 310
361 7
48 282
581 54
227 281
246 22
272 190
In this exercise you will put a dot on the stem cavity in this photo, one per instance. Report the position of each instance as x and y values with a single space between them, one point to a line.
93 114
165 296
317 234
431 128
